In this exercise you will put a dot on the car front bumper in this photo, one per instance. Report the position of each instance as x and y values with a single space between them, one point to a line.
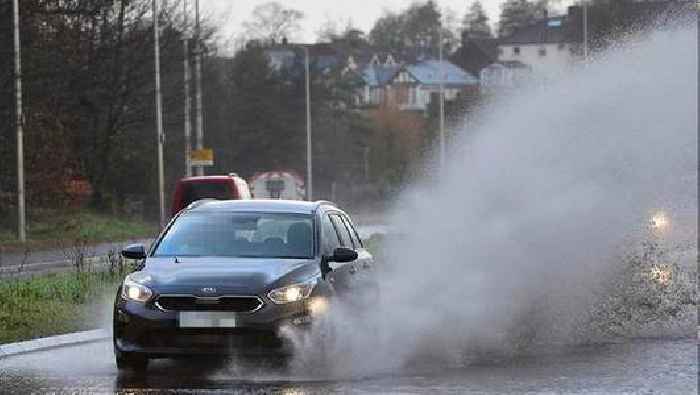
144 328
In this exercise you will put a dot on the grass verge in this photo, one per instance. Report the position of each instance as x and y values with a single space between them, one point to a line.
55 304
47 228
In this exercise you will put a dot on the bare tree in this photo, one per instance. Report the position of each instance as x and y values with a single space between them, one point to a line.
272 22
328 31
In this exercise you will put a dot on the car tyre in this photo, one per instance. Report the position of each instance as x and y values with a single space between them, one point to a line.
137 363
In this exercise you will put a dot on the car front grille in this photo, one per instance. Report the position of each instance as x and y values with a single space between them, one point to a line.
237 304
216 338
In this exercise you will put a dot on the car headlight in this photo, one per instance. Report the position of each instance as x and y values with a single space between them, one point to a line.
292 293
134 288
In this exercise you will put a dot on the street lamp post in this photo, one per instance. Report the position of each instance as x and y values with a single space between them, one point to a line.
442 103
159 115
309 163
21 211
188 100
198 85
585 31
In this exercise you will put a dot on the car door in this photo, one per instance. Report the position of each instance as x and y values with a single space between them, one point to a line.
339 276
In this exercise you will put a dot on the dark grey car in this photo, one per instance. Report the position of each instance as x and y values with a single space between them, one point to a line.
225 276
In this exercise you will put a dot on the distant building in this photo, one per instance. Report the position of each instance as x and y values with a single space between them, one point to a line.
411 86
553 44
547 46
414 86
382 79
374 77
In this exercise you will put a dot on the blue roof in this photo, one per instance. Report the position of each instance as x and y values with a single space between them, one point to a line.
428 72
376 75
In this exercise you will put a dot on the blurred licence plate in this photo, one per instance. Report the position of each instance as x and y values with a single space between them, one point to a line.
207 319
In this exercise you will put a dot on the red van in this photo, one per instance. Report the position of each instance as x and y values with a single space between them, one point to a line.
191 189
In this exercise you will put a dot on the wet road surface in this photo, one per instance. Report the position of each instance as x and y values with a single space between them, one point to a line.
666 366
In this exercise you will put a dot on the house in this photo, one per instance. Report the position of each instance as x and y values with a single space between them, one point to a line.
553 44
381 78
415 85
409 85
548 46
373 81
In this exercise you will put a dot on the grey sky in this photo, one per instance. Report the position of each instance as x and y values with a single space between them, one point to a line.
230 14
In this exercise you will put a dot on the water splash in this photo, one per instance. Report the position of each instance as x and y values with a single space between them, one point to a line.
519 241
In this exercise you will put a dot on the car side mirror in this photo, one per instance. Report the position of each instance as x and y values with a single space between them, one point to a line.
343 254
134 251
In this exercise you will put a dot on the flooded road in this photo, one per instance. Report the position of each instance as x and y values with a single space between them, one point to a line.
665 366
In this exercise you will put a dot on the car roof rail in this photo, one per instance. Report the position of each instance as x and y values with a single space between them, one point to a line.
325 203
198 203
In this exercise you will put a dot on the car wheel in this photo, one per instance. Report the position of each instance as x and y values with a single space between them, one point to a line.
137 363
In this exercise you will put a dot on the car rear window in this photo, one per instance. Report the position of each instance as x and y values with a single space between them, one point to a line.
250 235
197 191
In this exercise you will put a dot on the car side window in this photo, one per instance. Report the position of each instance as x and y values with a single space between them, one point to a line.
343 233
353 233
329 236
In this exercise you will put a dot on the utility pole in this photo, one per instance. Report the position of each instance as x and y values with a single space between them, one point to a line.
442 104
19 120
585 32
309 163
198 85
159 116
188 100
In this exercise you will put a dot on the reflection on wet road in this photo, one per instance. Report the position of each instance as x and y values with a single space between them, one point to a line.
640 366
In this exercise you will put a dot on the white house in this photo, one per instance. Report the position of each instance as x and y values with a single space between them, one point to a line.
547 47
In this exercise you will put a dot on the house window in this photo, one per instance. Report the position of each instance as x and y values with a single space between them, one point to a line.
542 52
516 51
500 51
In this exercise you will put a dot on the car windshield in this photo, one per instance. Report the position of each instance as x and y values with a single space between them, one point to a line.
248 235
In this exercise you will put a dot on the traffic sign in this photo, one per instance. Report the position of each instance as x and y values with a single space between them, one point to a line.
203 157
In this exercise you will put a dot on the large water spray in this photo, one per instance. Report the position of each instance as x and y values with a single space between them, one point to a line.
517 242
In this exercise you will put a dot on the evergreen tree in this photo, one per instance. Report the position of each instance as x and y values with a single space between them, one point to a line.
476 22
417 26
518 13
